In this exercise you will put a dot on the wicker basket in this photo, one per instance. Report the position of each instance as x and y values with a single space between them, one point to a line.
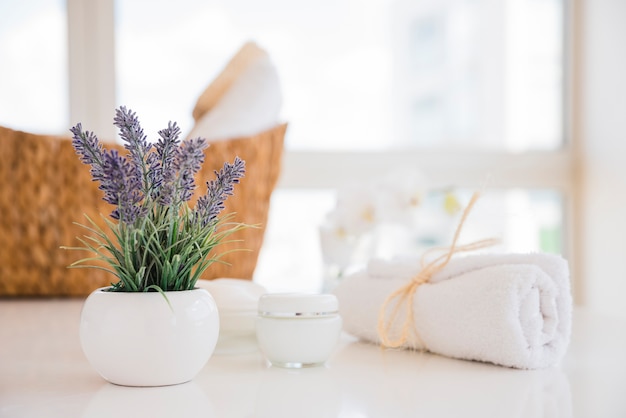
44 188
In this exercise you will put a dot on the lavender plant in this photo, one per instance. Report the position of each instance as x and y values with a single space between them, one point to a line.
158 241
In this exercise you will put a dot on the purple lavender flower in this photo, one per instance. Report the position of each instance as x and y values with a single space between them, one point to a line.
168 141
121 185
89 149
119 178
149 187
166 150
188 161
136 141
212 203
155 174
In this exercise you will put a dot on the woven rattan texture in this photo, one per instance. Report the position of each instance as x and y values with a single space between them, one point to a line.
44 188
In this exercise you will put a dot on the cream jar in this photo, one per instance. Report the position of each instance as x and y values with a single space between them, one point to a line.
298 330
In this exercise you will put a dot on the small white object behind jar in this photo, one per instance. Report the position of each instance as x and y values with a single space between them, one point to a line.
237 301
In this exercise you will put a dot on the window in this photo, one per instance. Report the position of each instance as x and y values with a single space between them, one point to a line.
33 65
479 74
468 92
368 76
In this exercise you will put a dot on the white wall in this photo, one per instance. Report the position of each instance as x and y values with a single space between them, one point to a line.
603 134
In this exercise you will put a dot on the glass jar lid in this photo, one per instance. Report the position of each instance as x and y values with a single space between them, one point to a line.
298 305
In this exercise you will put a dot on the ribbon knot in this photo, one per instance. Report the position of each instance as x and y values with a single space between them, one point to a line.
404 296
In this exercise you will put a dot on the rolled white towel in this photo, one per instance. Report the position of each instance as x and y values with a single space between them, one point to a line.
508 309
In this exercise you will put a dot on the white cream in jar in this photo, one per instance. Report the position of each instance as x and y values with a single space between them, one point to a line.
298 330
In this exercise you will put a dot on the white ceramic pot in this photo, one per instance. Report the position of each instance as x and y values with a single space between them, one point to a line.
138 339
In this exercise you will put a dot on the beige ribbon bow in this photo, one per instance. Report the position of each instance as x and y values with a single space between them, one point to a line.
405 294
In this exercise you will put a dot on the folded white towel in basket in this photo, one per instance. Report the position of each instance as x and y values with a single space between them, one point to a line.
508 309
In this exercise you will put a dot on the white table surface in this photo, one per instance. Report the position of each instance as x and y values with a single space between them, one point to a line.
43 373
